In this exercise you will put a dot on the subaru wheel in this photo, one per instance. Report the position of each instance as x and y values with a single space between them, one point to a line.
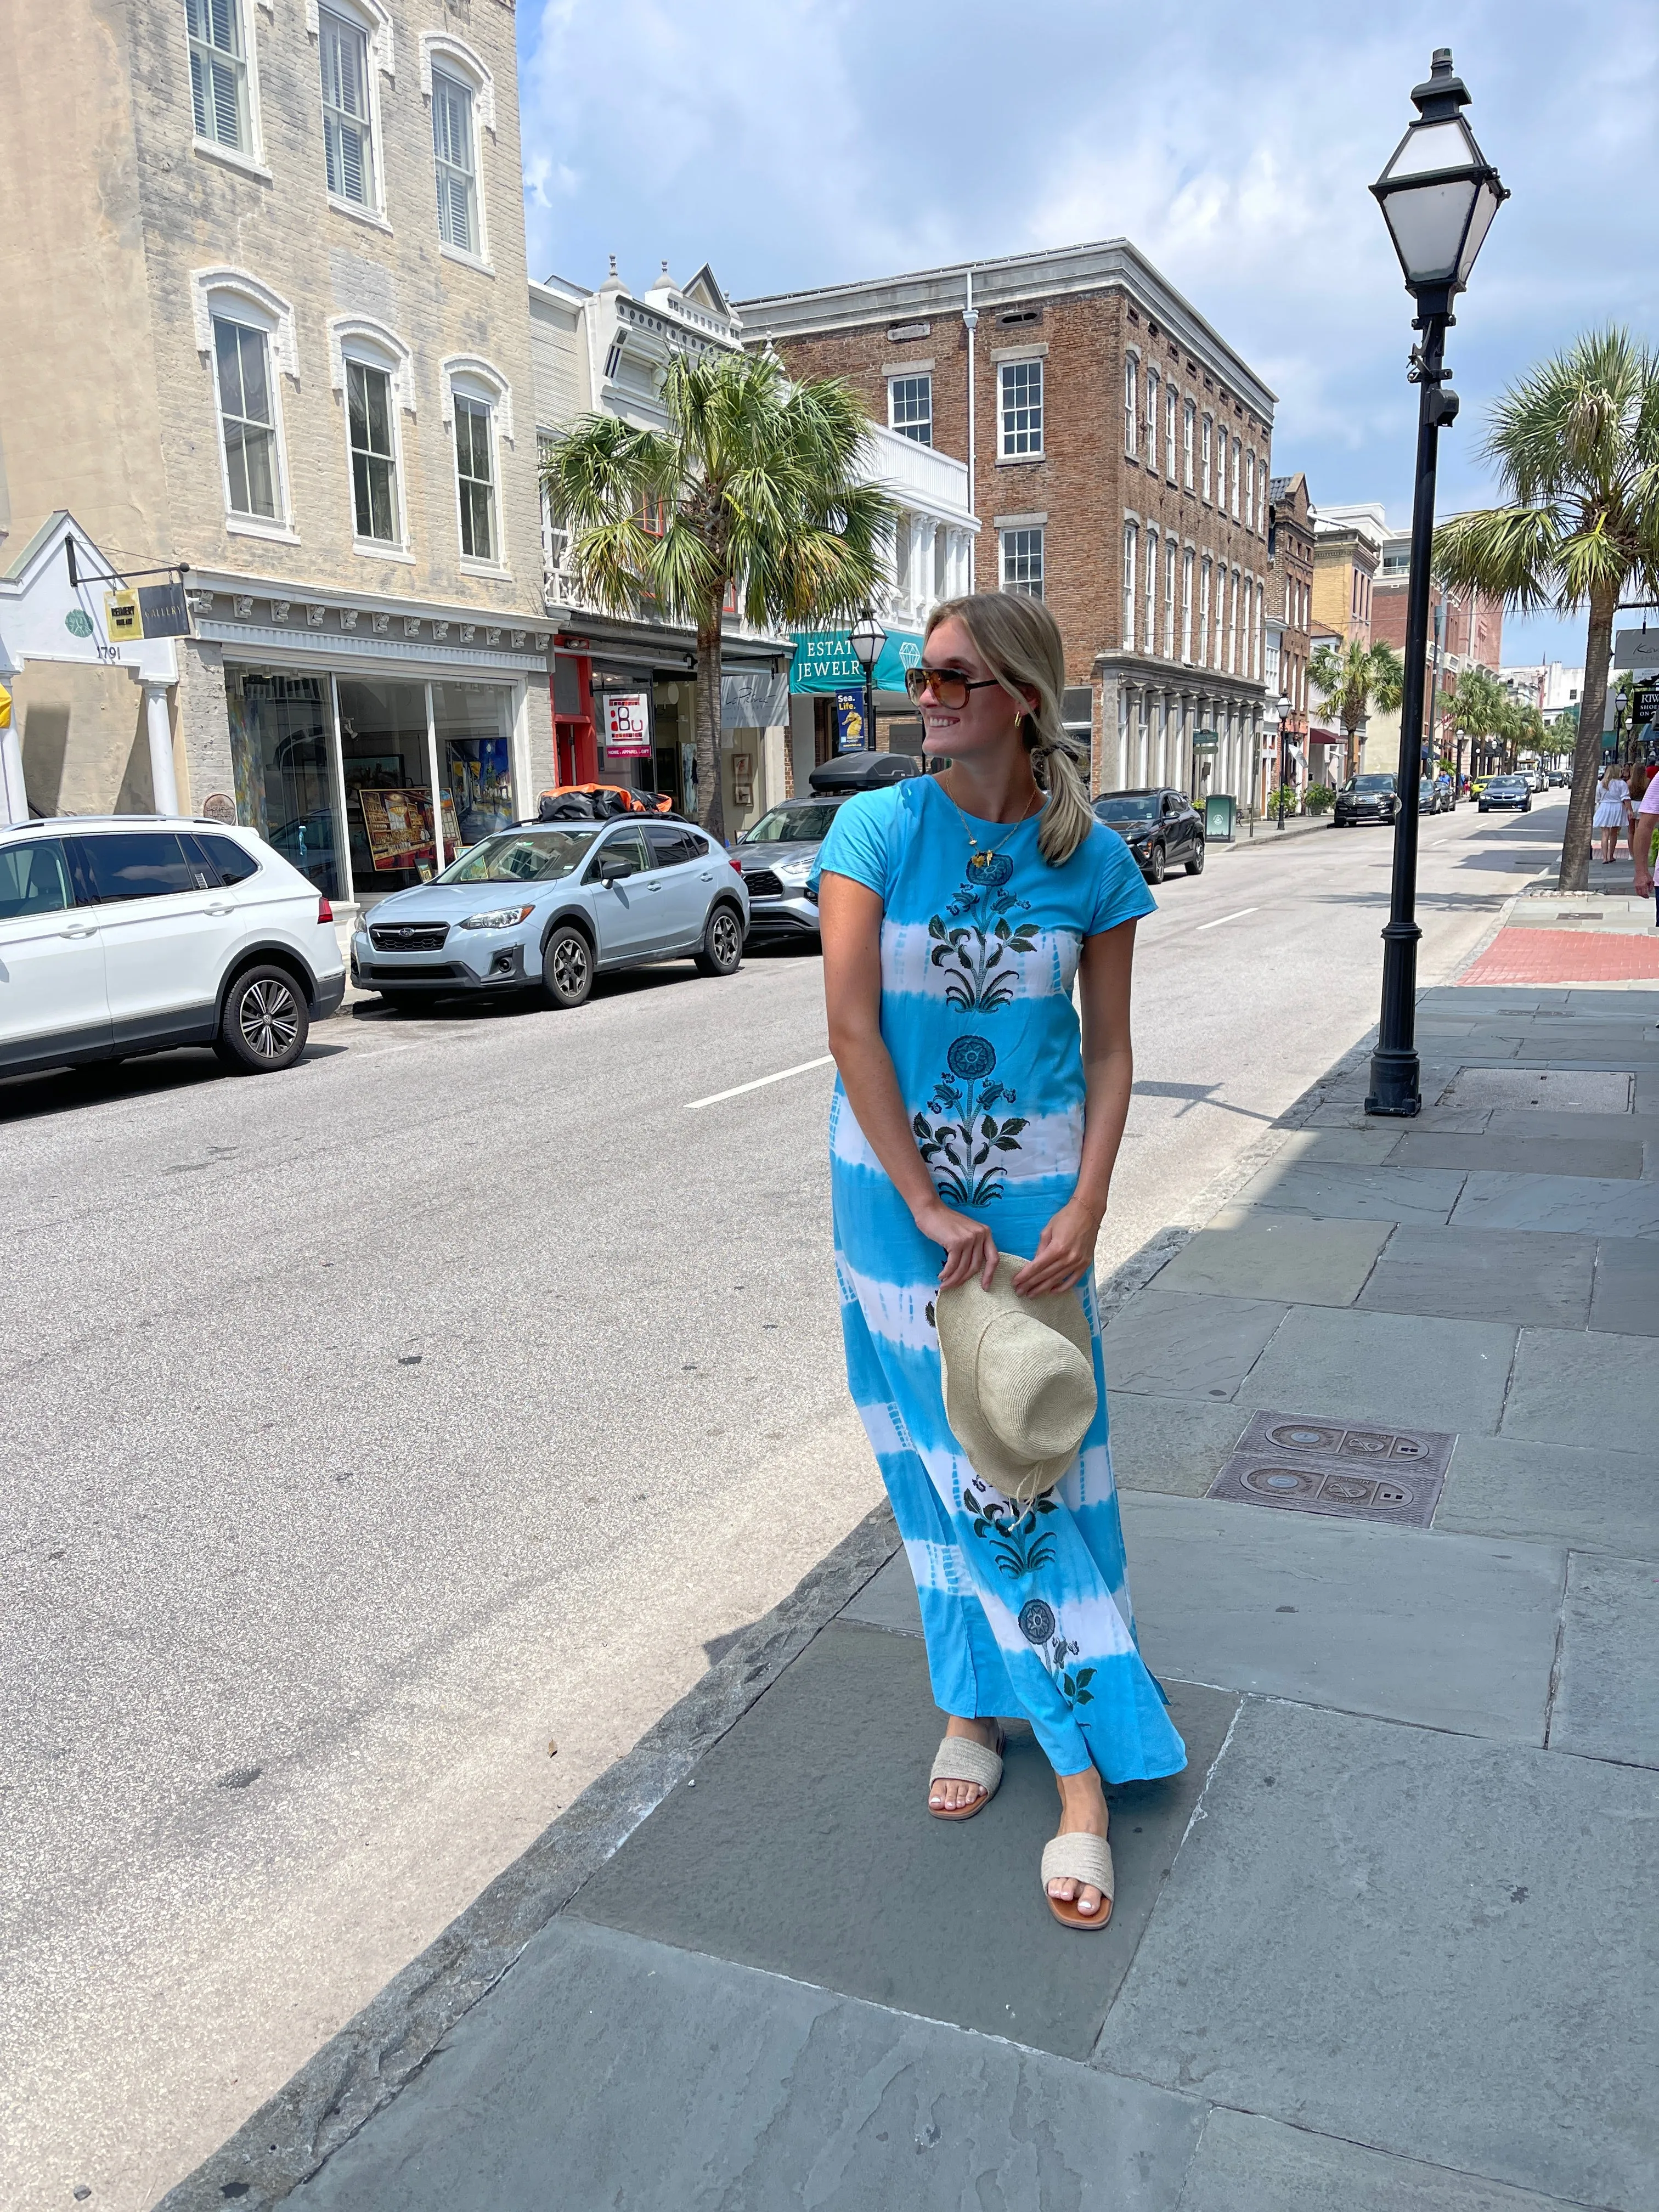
722 943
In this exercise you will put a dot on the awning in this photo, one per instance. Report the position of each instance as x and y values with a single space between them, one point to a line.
825 661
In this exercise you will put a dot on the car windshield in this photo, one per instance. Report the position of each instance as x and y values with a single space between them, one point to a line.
524 856
791 824
1371 783
1128 806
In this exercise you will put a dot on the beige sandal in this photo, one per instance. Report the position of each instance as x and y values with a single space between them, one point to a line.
963 1758
1084 1858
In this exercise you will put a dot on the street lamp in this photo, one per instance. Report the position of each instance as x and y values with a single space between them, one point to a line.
1282 707
1439 194
867 638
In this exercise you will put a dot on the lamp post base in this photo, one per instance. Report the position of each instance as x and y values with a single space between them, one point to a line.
1396 1082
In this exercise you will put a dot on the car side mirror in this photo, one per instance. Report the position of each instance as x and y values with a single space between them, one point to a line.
613 866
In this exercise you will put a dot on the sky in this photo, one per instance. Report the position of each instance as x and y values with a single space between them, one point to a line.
793 142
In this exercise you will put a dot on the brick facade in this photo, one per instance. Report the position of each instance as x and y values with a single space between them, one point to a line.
1289 604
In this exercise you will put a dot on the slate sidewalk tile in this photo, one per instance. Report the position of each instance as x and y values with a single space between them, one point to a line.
1573 1389
1626 1300
1246 2164
1436 1947
1401 1371
1484 1275
606 2071
1578 1205
1183 1344
1249 1251
1528 1155
1328 1190
1607 1704
1588 1497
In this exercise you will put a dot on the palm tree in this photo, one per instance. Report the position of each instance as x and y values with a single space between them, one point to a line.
1354 678
1576 445
750 500
1480 705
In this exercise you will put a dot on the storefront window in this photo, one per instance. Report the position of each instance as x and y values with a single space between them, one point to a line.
474 767
281 752
388 785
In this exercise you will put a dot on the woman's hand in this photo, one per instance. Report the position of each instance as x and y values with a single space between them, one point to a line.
1064 1252
969 1247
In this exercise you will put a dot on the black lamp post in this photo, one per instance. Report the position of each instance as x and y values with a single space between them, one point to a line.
1439 194
866 638
1284 708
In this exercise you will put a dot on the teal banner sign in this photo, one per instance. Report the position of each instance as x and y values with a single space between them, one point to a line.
825 661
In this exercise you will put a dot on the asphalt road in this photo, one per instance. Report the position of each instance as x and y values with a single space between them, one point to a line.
372 1427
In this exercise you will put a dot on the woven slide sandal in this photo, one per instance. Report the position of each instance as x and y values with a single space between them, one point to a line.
960 1758
1086 1859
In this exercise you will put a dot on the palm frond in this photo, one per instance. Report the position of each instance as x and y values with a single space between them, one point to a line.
1511 553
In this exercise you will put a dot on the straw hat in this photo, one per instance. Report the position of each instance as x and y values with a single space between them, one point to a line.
1020 1379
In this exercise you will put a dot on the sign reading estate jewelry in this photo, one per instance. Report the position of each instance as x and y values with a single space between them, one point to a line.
628 725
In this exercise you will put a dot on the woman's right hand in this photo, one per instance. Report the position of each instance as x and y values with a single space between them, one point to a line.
969 1247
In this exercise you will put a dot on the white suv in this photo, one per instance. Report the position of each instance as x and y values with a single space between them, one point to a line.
130 934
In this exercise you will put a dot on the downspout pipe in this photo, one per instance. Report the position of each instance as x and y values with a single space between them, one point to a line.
970 323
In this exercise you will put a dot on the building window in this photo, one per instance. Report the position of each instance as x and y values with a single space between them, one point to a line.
1169 598
373 456
475 477
218 72
1232 623
452 151
1189 424
910 407
1250 626
1152 389
1187 606
1209 432
1169 434
248 419
1131 404
347 132
556 542
1204 613
1249 491
1238 463
1021 386
1131 547
1022 561
1150 635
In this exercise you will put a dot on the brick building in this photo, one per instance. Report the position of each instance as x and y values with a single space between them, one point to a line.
1348 545
1467 626
1119 456
1289 631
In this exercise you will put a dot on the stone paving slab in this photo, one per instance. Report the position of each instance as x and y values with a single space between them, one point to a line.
1532 1154
609 2071
1447 1632
1540 1121
888 1600
1626 1301
1570 1389
1246 1250
805 1848
1246 2164
1547 1493
1170 1443
1421 1942
1607 1704
1542 1090
1400 1371
1334 1192
1182 1344
1484 1275
1367 1147
1577 1204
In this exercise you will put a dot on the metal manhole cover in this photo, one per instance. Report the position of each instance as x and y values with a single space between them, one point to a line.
1316 1467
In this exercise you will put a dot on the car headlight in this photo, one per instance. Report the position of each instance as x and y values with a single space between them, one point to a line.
794 871
503 917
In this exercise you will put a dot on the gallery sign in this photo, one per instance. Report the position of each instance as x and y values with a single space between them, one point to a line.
628 725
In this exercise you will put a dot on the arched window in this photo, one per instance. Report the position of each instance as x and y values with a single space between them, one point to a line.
477 409
458 84
1131 547
245 332
1131 403
372 371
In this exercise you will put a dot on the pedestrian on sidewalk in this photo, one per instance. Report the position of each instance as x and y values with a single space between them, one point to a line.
1641 776
1643 828
972 1123
1611 814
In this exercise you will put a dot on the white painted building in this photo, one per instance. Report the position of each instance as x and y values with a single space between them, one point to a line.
1549 686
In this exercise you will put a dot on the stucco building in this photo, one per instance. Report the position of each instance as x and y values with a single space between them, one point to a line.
1119 452
265 284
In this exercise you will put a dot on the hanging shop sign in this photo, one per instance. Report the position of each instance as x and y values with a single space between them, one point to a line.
121 621
825 661
850 736
1645 702
628 725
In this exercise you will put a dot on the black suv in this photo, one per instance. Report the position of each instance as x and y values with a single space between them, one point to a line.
1366 798
1160 826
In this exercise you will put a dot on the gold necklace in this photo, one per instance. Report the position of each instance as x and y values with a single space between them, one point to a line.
978 861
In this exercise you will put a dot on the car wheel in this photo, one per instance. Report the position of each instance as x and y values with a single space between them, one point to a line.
1155 864
1195 866
568 966
265 1024
722 943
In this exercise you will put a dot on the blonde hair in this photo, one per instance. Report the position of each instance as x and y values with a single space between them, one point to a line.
1019 641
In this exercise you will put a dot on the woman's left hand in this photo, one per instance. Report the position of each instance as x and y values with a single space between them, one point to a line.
1065 1253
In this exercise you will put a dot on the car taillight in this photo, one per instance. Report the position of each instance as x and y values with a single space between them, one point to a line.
324 911
737 867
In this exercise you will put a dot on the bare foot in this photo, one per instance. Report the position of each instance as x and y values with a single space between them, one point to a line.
1082 1812
949 1796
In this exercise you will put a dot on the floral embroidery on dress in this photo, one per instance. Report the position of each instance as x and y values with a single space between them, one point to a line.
973 937
1038 1624
958 1153
1019 1544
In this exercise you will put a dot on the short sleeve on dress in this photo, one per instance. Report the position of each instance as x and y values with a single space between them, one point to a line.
1121 892
860 843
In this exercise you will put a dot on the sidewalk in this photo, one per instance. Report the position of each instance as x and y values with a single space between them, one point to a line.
1387 1945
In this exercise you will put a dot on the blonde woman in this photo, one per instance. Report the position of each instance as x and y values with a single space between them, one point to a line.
1612 810
972 1120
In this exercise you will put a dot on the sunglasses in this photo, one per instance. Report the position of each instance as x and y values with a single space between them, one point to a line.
950 689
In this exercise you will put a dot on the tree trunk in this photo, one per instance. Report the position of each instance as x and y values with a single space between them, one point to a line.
1574 874
711 806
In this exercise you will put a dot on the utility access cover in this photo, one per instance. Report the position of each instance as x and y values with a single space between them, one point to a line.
1366 1473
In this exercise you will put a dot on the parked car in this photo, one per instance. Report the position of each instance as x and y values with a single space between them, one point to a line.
1370 798
777 857
134 934
1160 826
864 771
1428 796
548 906
1512 791
1447 791
1559 779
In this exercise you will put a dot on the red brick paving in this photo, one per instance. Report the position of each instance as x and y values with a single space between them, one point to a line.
1565 956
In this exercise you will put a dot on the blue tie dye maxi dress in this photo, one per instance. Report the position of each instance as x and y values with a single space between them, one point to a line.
1026 1610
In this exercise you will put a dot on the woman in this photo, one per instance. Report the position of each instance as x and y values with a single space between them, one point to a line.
1640 777
957 911
1612 810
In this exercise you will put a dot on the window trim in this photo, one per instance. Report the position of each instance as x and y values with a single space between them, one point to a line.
480 381
1152 556
235 295
1131 556
372 20
250 158
461 66
1132 402
1171 411
911 376
1189 442
1207 449
1029 362
372 345
1037 529
1188 566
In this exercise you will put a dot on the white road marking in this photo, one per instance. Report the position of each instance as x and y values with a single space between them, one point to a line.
760 1083
1239 916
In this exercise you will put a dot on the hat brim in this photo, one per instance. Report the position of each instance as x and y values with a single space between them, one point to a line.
962 1316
